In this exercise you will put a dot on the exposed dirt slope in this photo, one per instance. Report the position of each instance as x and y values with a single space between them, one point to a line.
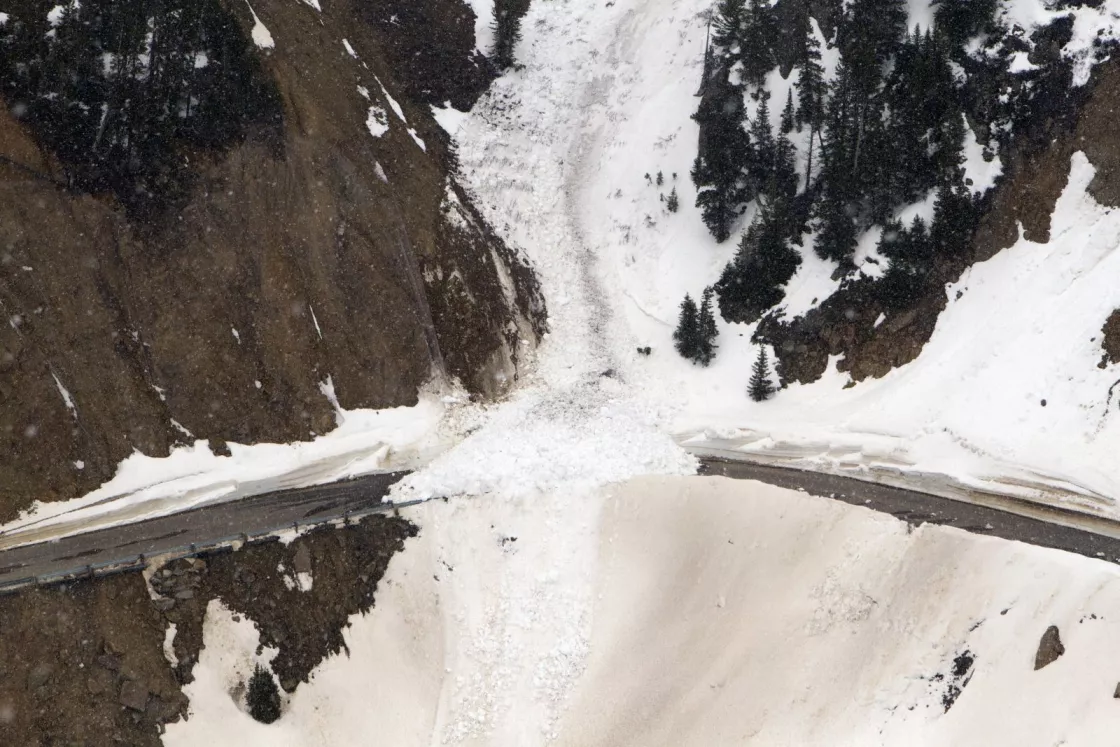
284 266
85 664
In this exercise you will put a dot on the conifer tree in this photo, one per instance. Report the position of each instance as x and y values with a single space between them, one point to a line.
762 142
706 322
760 387
783 181
760 29
811 96
837 229
720 171
507 35
727 26
868 36
910 254
686 338
959 20
263 697
672 203
753 280
787 114
954 219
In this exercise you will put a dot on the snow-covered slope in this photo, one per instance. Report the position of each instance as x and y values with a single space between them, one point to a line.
1006 397
694 612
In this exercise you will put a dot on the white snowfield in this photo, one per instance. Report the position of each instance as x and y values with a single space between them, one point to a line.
693 612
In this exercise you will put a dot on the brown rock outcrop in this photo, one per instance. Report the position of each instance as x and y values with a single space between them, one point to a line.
338 255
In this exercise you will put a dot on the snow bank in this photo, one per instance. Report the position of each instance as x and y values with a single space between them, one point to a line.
694 612
365 441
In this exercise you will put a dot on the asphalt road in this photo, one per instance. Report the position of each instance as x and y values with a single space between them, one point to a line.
204 527
918 508
127 547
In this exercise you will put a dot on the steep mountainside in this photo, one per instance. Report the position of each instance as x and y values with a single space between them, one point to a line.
199 227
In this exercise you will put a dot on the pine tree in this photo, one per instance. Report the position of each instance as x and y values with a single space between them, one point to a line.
720 169
728 24
686 338
868 36
787 114
753 281
673 203
954 220
811 96
837 230
911 259
959 20
263 697
706 323
762 142
760 29
760 387
507 35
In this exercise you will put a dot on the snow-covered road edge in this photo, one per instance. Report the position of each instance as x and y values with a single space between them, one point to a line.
1029 494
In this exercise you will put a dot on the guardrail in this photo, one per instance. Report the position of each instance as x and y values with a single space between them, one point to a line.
139 562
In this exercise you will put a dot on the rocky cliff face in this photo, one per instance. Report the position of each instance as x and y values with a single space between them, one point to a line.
327 239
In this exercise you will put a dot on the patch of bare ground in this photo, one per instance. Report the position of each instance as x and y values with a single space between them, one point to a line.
84 664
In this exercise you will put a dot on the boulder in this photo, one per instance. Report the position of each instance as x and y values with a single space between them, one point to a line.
1049 648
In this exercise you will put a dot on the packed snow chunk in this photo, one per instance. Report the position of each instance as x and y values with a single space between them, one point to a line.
349 49
376 121
3 19
314 4
261 36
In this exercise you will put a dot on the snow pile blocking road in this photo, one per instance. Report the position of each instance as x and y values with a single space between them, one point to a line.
696 612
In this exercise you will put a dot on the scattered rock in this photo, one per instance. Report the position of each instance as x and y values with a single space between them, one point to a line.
110 661
1111 339
1116 692
185 594
1049 648
134 695
163 604
302 560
